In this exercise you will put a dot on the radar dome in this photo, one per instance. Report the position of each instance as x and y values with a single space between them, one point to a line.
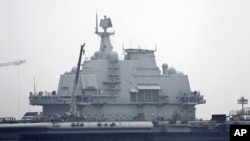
165 65
164 68
73 70
171 70
96 54
92 57
113 55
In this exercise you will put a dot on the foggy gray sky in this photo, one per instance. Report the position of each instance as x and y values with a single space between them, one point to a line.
209 40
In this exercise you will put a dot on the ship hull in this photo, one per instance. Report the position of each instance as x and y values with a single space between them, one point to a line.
202 136
109 131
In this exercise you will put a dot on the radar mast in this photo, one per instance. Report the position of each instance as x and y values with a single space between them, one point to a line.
105 46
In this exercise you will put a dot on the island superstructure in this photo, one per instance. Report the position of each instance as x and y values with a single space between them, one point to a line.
130 89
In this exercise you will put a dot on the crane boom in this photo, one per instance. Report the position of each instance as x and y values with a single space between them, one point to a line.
73 108
16 63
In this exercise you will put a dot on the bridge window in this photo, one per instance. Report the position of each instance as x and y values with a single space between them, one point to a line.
133 96
147 94
155 95
141 96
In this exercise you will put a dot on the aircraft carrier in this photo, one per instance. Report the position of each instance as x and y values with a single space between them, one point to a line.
105 98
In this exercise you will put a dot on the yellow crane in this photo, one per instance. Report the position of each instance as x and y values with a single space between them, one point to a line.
16 63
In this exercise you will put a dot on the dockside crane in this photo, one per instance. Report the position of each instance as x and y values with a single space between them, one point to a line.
73 108
15 63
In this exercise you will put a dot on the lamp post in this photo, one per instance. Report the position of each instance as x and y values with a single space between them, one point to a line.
242 101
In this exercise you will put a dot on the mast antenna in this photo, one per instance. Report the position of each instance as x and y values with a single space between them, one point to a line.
34 83
96 23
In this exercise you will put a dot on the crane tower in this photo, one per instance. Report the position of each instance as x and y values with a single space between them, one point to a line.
16 63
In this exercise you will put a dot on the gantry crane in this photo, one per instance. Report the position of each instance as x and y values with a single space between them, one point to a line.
16 63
